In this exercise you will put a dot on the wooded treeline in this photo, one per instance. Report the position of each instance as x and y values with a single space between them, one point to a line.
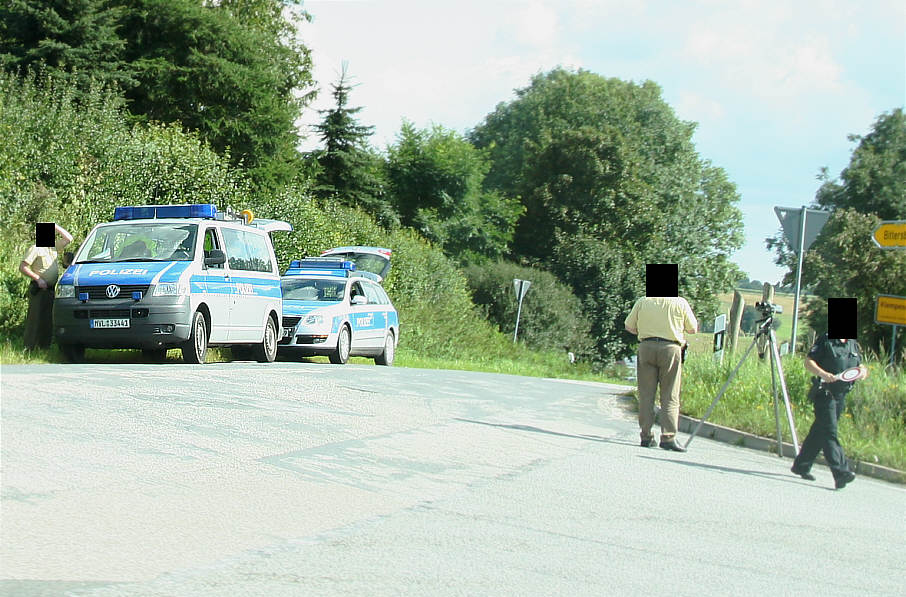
577 181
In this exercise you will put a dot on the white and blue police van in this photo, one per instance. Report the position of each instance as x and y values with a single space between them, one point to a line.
173 276
334 305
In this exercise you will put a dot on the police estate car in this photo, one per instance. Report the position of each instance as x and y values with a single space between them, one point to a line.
160 277
335 306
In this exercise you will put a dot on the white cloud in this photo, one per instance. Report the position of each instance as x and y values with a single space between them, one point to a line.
536 25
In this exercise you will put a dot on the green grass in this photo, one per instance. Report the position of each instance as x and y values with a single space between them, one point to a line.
528 363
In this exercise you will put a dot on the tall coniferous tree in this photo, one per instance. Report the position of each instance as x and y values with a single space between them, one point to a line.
349 170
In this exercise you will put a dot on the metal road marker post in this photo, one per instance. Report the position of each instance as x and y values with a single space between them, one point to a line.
521 287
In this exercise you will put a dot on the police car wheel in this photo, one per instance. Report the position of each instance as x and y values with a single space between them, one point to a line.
195 349
341 354
74 353
266 352
386 357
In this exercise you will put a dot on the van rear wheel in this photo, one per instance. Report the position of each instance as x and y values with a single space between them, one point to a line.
266 352
195 349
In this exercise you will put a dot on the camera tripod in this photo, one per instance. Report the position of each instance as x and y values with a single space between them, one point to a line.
766 331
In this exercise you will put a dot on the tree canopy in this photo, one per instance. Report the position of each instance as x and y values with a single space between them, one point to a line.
231 70
610 181
843 261
436 176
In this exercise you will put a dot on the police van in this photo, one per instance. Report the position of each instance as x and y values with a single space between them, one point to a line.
173 276
334 305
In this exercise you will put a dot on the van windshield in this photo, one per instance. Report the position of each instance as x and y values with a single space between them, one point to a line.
139 242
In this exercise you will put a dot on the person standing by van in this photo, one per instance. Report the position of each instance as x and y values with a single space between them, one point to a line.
41 266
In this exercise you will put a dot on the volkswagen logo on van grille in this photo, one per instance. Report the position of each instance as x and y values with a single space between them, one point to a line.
113 291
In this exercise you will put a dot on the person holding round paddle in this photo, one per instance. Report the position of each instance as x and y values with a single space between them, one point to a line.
835 361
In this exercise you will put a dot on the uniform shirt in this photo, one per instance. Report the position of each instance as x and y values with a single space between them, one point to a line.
43 261
836 356
664 317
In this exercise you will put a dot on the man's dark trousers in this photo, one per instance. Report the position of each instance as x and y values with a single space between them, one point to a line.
823 435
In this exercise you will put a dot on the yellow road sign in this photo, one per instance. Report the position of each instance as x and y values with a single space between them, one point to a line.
891 310
890 234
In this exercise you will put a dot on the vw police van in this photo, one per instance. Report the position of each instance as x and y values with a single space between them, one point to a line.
169 276
335 306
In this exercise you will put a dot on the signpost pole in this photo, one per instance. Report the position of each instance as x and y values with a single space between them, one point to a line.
893 345
798 279
521 287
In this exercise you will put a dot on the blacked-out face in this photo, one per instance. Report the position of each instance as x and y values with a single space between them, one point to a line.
662 279
842 318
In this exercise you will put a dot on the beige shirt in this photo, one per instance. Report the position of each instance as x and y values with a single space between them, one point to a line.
44 262
665 317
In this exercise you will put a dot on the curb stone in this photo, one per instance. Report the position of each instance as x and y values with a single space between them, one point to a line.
755 442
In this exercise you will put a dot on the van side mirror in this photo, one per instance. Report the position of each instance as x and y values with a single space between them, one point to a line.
360 300
215 257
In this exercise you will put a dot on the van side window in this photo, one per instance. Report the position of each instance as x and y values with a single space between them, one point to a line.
247 251
211 243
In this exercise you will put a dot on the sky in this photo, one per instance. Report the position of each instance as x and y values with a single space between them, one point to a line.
776 87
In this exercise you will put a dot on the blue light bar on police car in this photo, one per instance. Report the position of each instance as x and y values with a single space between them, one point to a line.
145 212
317 263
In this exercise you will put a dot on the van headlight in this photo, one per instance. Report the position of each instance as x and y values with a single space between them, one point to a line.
65 291
313 320
171 289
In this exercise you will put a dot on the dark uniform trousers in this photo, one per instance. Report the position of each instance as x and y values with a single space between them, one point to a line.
829 401
823 434
39 321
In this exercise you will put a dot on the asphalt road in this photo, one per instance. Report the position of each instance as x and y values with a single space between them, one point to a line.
309 479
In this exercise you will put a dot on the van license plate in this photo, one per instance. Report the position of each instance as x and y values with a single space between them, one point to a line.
288 332
109 323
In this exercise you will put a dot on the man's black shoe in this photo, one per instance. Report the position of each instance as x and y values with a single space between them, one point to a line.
804 474
647 443
844 478
673 446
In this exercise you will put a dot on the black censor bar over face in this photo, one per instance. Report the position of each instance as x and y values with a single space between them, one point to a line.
662 279
842 318
45 234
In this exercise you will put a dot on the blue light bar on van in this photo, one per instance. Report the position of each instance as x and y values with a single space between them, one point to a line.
144 212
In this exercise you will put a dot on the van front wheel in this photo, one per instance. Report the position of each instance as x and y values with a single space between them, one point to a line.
266 352
195 349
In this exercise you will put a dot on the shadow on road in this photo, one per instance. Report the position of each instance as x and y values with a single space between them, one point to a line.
592 438
784 477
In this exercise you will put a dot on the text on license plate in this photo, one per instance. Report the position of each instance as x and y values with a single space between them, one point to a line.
287 332
109 323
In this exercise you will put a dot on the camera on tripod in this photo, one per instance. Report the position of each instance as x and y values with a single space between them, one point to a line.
768 309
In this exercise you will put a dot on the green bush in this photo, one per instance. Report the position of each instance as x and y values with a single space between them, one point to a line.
72 163
552 317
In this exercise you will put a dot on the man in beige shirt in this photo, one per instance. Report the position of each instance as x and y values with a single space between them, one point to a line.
660 320
40 265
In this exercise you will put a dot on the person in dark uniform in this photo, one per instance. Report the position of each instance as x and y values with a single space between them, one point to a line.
831 355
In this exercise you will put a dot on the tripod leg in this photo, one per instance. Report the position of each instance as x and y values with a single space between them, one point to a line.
775 353
720 394
776 409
